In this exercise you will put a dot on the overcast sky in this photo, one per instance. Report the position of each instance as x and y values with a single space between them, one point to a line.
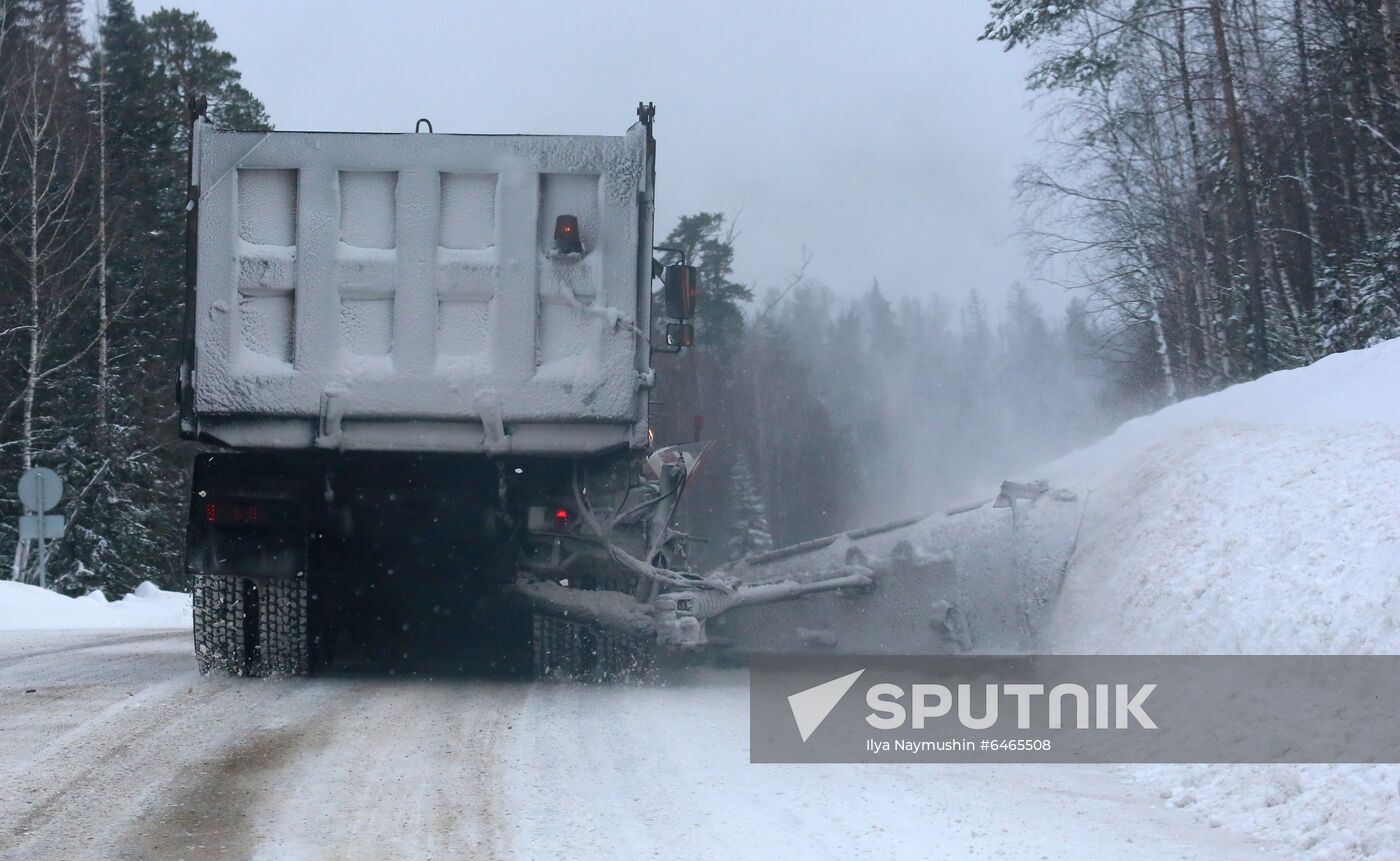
882 136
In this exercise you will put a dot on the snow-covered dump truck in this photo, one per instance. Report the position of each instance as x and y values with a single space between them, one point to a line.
426 362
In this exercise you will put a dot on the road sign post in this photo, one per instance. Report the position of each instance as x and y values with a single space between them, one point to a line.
40 489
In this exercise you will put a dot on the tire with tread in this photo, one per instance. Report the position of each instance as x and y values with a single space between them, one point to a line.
285 634
247 627
574 650
219 644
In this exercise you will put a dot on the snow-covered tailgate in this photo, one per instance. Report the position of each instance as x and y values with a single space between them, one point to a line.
402 291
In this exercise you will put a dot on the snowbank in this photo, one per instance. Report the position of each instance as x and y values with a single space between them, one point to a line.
1261 519
1339 391
1242 539
29 608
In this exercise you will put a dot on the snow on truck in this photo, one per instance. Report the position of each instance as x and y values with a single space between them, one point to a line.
425 361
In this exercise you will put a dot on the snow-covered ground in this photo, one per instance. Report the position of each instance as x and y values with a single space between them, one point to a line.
28 608
1265 518
114 747
1261 519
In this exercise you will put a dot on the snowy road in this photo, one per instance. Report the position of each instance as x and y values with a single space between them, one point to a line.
114 747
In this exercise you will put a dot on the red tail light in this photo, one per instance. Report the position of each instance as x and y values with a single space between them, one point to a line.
561 517
231 513
566 236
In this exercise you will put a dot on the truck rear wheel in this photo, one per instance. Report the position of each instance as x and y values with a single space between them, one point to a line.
219 644
573 650
248 627
284 628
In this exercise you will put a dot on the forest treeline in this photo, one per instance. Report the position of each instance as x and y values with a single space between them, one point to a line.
1220 189
93 130
825 412
1223 183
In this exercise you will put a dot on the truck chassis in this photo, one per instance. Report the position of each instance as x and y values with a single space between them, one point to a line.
565 567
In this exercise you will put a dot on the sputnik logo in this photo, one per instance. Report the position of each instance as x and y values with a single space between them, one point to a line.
810 707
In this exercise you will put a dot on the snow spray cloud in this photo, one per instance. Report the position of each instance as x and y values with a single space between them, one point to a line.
1075 708
938 402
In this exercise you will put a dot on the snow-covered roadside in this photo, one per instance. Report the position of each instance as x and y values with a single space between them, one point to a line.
1242 539
28 608
1261 519
1265 518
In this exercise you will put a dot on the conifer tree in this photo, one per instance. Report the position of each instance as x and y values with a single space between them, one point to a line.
749 526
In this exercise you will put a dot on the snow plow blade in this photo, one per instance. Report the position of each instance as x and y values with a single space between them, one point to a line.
976 577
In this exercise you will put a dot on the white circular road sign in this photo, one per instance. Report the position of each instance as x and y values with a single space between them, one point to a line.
40 489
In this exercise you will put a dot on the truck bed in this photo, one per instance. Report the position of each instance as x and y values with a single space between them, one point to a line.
402 291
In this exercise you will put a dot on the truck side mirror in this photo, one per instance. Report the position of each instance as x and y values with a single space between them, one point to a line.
680 335
682 284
